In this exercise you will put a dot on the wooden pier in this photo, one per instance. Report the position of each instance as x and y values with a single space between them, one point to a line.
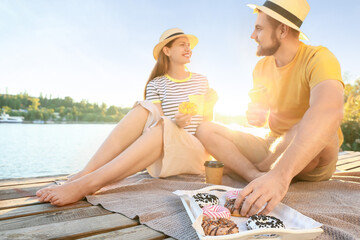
23 217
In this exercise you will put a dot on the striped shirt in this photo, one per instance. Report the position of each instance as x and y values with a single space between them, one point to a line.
171 92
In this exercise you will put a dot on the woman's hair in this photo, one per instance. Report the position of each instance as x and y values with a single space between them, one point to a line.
161 67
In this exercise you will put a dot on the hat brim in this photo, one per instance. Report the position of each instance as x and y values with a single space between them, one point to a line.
278 17
192 39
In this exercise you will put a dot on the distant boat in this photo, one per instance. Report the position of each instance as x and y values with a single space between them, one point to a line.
5 118
39 121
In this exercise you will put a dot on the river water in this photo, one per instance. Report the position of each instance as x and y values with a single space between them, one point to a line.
32 150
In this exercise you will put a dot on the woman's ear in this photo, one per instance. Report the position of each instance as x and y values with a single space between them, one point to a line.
166 51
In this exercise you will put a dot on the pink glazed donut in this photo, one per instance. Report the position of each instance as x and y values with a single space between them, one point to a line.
216 212
232 194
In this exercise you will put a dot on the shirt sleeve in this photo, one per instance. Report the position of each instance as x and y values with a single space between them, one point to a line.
152 93
323 66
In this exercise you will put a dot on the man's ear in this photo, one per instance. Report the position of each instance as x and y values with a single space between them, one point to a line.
166 51
284 30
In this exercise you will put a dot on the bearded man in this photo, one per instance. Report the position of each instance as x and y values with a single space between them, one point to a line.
298 92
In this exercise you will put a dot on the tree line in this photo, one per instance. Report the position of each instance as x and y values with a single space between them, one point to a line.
59 109
351 122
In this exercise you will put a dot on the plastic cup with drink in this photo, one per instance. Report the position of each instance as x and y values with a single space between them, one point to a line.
258 108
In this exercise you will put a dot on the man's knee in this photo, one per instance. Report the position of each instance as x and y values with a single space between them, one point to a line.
323 165
204 129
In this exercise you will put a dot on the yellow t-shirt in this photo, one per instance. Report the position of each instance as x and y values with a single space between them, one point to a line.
288 87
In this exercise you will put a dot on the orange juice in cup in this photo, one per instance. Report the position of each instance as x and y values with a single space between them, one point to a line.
198 100
259 95
259 106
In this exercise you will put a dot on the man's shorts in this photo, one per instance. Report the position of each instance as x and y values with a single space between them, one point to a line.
256 149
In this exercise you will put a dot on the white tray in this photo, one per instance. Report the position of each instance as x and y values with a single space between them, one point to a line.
301 227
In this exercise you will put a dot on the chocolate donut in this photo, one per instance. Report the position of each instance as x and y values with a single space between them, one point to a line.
221 226
230 204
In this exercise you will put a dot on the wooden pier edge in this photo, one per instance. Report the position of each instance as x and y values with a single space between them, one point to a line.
23 217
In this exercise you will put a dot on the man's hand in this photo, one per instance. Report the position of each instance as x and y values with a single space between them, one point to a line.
268 189
256 114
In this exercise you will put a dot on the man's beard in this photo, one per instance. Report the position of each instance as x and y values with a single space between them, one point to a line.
269 50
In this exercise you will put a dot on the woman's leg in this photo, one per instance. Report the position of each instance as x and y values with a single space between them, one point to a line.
124 134
142 153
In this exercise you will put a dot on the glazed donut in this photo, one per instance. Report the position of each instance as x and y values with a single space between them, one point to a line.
206 199
232 194
230 197
216 212
263 221
221 226
230 204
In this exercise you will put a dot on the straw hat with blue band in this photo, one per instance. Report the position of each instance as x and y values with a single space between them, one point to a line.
289 12
170 35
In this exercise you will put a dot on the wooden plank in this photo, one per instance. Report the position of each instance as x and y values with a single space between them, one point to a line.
21 190
356 169
38 209
71 229
139 232
52 217
348 160
19 181
344 169
348 155
26 201
349 166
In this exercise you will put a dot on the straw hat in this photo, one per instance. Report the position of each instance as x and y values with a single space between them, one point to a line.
289 12
170 35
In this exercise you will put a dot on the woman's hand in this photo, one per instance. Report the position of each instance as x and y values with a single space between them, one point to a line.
182 120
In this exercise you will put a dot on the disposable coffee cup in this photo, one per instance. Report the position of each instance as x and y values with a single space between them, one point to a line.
214 172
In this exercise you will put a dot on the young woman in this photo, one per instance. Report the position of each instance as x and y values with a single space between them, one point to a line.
154 134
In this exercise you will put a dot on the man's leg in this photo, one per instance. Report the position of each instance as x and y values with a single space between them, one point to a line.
327 157
218 141
324 165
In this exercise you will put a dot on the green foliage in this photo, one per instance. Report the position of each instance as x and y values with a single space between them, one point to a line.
351 124
57 109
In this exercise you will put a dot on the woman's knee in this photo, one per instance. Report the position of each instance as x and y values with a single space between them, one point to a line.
140 110
157 129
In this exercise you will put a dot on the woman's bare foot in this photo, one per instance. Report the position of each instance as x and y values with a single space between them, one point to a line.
75 176
43 191
64 194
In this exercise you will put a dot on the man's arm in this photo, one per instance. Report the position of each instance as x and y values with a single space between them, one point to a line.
319 124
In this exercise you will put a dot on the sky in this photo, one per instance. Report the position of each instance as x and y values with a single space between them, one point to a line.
101 50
